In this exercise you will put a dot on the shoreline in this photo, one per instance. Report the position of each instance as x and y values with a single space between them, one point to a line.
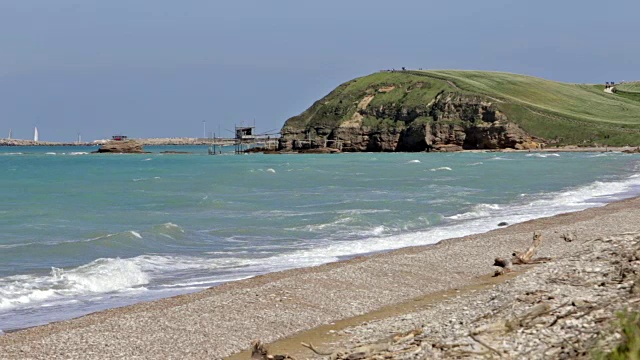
230 142
223 320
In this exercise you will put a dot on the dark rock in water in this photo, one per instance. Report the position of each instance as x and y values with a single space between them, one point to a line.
503 224
319 151
122 147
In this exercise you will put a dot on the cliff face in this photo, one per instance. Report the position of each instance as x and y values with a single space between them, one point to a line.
404 118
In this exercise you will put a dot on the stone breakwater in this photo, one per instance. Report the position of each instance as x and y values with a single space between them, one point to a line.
14 142
563 309
147 141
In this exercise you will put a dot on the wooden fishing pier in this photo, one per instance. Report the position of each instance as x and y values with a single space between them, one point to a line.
245 140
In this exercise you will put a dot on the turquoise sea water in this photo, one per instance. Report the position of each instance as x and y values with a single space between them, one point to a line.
84 232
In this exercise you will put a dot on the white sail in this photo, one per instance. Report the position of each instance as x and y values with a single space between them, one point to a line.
35 134
10 134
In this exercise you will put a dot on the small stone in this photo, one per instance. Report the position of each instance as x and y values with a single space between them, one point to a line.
579 303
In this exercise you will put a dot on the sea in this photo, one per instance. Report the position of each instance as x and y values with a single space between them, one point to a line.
82 232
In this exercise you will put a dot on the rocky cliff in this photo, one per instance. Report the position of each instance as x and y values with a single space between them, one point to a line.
403 112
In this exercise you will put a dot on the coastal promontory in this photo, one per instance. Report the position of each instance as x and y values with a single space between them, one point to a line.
455 110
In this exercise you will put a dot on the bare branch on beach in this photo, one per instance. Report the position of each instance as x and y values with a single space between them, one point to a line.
520 258
525 257
259 351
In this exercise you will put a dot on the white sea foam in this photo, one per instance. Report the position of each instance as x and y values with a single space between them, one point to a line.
542 155
476 163
413 162
11 246
172 226
99 276
376 231
442 168
109 276
478 211
12 153
147 159
476 221
271 171
136 234
339 223
76 153
362 211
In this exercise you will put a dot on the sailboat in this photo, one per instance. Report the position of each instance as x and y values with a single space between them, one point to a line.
35 134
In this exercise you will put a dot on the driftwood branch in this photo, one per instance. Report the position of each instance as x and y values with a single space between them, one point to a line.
357 352
259 351
479 341
525 257
318 352
520 258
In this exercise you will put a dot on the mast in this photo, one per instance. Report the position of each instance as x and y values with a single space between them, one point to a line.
10 133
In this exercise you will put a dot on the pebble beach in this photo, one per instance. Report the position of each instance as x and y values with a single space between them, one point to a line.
223 320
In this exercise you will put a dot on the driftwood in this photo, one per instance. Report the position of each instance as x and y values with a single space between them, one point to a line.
521 258
357 352
407 336
525 257
259 351
316 351
569 237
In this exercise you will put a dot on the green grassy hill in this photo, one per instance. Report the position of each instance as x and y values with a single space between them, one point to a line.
560 113
629 87
630 90
571 113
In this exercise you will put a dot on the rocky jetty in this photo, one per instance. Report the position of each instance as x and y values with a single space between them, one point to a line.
18 142
122 147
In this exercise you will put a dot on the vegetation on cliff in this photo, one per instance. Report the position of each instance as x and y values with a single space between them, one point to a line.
421 110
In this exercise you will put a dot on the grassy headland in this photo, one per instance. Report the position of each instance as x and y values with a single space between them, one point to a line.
558 113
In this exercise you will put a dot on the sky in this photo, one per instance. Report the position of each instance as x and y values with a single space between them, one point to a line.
160 68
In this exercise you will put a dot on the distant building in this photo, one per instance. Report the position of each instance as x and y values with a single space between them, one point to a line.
245 132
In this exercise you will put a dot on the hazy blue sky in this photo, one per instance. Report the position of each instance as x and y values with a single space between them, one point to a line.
159 68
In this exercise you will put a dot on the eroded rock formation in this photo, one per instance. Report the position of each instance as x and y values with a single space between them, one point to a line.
452 121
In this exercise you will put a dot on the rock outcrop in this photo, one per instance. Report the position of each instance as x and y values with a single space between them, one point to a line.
386 118
122 147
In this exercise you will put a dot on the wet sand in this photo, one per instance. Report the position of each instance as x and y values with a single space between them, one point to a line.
223 320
